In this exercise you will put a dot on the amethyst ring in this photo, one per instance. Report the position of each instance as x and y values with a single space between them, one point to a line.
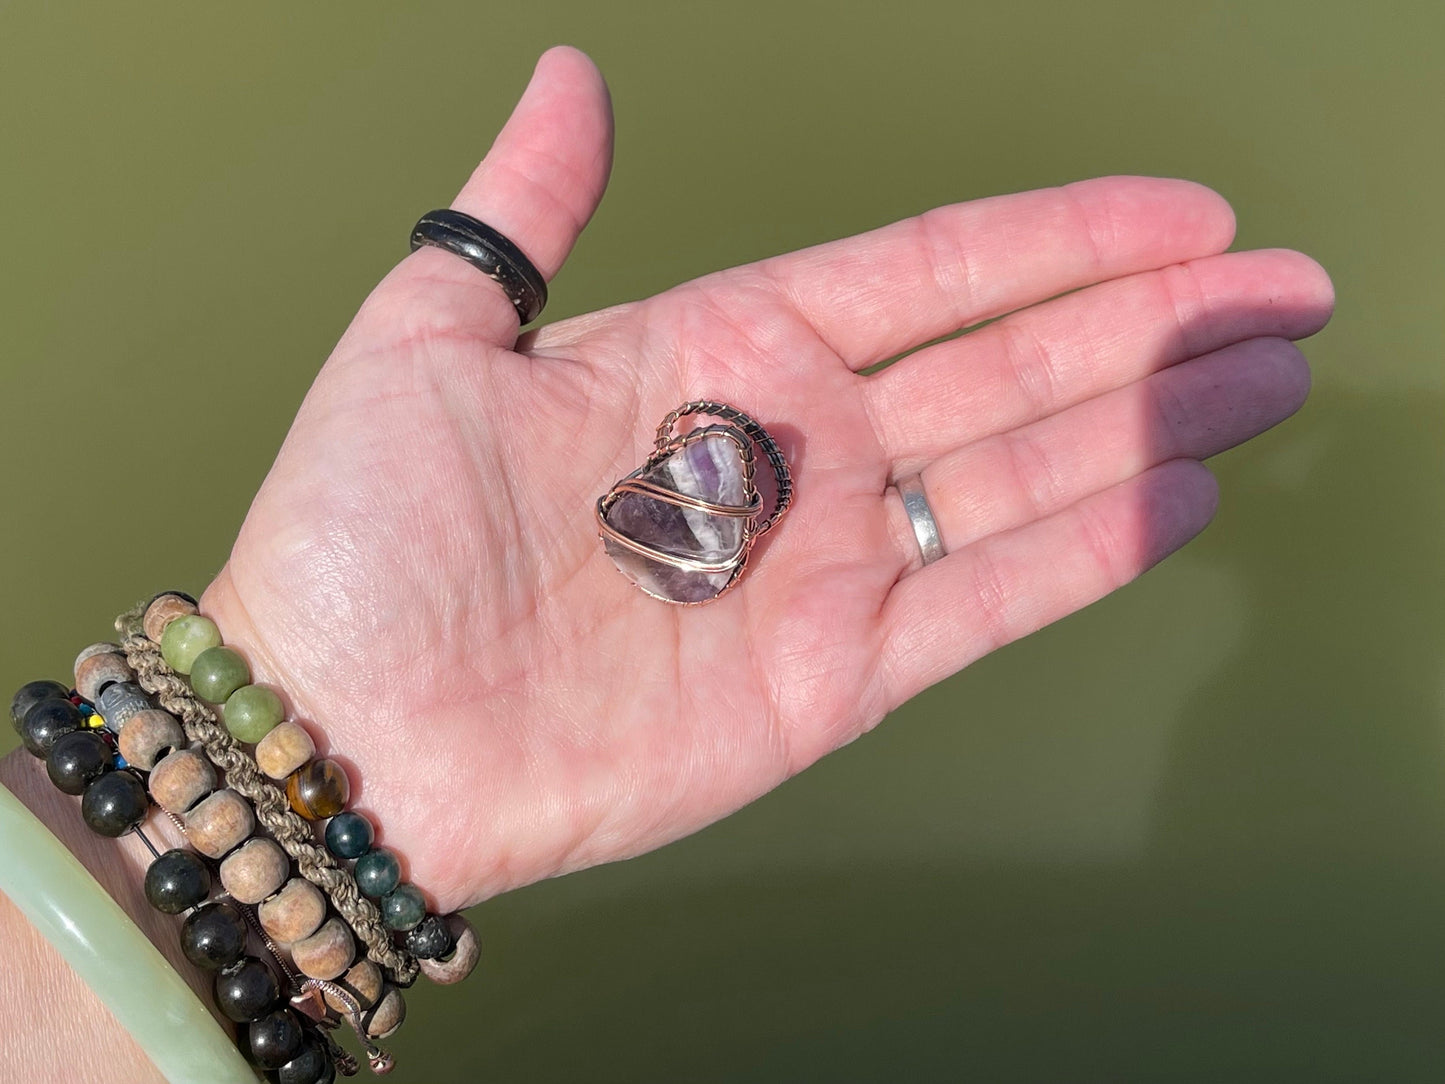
681 526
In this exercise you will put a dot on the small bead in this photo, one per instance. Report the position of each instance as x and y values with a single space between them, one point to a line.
403 907
187 637
214 936
30 694
252 712
247 990
462 960
273 1040
164 609
76 759
217 672
114 804
182 779
326 953
363 982
121 702
349 835
177 881
284 750
99 666
46 721
318 789
255 871
220 823
293 913
377 872
312 1066
431 940
383 1018
149 735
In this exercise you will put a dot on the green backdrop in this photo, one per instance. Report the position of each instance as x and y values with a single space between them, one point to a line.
1196 833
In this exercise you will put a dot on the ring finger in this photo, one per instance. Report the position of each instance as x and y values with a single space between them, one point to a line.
1191 411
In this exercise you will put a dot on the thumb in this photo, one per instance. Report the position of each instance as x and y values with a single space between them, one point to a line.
538 186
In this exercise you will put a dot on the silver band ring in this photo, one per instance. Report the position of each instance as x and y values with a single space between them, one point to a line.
925 527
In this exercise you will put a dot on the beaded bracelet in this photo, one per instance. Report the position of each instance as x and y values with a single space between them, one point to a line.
171 633
254 871
81 755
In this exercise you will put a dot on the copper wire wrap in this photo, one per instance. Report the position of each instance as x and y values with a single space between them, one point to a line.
745 432
273 810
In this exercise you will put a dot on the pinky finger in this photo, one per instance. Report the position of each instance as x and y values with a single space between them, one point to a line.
950 613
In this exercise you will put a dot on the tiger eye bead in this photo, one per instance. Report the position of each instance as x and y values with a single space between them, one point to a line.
77 759
47 721
185 638
164 609
114 804
30 694
148 735
383 1018
293 913
318 789
220 823
182 779
99 666
284 749
363 982
252 712
214 936
349 835
217 672
326 953
177 881
255 870
377 872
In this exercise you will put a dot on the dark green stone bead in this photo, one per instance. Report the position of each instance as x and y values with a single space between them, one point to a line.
403 907
46 721
312 1066
273 1040
349 835
247 990
177 881
431 940
217 673
77 759
114 804
30 694
214 937
377 872
252 712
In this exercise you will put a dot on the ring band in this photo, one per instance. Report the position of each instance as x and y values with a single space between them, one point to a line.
925 527
490 253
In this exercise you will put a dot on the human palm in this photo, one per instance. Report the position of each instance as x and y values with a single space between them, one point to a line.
421 571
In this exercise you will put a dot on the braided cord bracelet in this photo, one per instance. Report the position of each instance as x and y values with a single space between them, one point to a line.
272 807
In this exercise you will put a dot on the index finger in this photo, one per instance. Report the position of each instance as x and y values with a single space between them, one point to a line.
880 293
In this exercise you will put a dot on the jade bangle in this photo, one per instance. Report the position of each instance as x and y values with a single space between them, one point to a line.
67 905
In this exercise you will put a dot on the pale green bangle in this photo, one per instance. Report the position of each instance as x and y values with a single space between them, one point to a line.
98 939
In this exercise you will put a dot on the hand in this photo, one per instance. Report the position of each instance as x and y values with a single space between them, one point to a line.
421 574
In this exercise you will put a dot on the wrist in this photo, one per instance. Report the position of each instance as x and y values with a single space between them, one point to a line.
325 703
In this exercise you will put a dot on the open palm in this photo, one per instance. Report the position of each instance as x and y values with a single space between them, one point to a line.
421 572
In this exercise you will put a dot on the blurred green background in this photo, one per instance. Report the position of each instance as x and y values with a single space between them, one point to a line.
1196 833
